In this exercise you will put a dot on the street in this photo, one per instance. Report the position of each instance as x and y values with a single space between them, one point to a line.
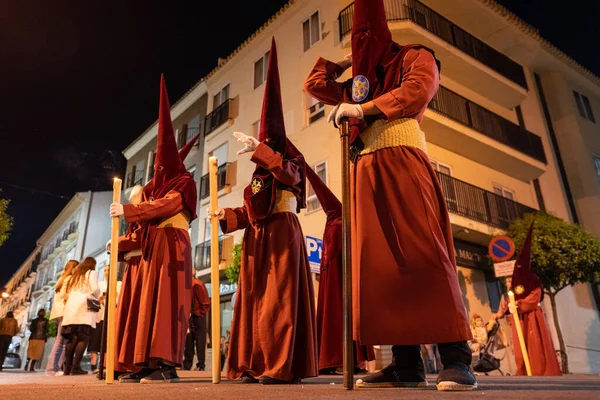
19 385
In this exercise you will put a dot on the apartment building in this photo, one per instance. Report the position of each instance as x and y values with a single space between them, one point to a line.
493 130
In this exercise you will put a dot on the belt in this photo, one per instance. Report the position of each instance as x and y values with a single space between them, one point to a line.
132 253
285 201
176 221
400 132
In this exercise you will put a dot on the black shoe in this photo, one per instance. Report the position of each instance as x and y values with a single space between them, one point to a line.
165 374
392 376
267 380
456 377
247 378
136 377
78 371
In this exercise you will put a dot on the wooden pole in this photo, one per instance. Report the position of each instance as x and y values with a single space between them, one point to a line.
347 258
112 287
214 272
515 313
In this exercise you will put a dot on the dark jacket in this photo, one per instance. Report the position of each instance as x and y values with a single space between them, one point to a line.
39 329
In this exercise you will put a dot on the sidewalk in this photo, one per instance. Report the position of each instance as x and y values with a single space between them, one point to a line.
17 385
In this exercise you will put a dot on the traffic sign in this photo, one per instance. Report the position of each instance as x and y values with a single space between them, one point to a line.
501 248
314 247
505 268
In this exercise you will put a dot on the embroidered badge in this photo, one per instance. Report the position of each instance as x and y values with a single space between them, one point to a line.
360 88
519 289
257 184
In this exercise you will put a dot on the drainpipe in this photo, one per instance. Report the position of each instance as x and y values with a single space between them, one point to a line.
87 223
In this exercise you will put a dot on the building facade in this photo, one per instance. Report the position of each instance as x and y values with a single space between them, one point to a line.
489 135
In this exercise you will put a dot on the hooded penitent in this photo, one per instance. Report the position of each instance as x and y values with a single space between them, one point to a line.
376 58
260 195
170 173
524 281
185 150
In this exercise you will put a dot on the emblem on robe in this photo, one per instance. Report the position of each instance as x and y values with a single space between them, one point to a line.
257 184
519 289
360 88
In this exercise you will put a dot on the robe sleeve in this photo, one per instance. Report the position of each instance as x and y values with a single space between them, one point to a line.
235 218
285 171
129 242
322 85
503 308
203 299
420 81
164 207
530 302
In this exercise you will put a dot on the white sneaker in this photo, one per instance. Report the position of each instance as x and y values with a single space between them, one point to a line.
59 373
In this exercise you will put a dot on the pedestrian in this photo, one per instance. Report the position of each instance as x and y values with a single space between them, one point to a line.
529 293
402 245
196 336
223 350
9 327
57 354
160 305
273 333
37 340
79 318
330 299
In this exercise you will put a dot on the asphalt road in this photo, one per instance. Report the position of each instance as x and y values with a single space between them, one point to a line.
17 385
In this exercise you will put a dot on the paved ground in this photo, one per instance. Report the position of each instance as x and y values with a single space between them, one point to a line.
17 385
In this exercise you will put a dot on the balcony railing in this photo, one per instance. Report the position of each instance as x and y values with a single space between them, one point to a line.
135 178
221 181
399 10
218 117
480 205
202 257
456 107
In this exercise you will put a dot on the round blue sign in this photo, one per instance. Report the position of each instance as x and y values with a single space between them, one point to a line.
501 248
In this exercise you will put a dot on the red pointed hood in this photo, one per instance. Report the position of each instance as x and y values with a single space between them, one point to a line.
331 205
185 150
167 163
524 281
272 126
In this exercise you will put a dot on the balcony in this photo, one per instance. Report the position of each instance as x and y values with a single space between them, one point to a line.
474 203
468 129
134 178
225 176
202 256
465 59
218 117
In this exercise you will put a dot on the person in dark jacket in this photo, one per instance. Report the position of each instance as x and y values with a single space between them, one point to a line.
9 327
197 327
37 340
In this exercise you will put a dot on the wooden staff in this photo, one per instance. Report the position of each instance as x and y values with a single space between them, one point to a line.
215 298
112 287
515 313
347 258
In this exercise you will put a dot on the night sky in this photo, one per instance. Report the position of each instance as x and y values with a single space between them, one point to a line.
79 81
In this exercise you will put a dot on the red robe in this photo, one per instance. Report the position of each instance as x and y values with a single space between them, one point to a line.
161 299
540 348
273 330
405 283
125 307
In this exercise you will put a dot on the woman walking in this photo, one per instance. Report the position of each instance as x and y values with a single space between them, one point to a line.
57 355
79 319
37 340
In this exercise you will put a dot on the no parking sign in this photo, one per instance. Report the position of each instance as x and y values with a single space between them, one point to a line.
501 248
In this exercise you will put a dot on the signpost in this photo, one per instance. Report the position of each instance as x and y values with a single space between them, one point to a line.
503 269
501 248
314 247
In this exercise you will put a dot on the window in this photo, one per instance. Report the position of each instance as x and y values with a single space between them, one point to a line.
221 154
151 166
315 110
256 129
441 167
311 31
504 192
193 127
312 202
584 106
260 70
597 165
220 97
447 184
192 171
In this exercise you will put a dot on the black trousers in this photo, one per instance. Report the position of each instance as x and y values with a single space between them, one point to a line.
77 342
450 353
5 341
196 338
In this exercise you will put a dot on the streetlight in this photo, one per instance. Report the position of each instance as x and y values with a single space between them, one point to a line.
4 295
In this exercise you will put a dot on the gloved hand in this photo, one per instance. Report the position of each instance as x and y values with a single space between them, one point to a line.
250 143
345 62
108 246
219 213
345 110
512 309
116 210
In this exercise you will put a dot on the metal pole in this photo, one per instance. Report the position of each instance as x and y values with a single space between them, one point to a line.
347 258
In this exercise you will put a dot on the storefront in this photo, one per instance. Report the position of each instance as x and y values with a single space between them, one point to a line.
227 298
